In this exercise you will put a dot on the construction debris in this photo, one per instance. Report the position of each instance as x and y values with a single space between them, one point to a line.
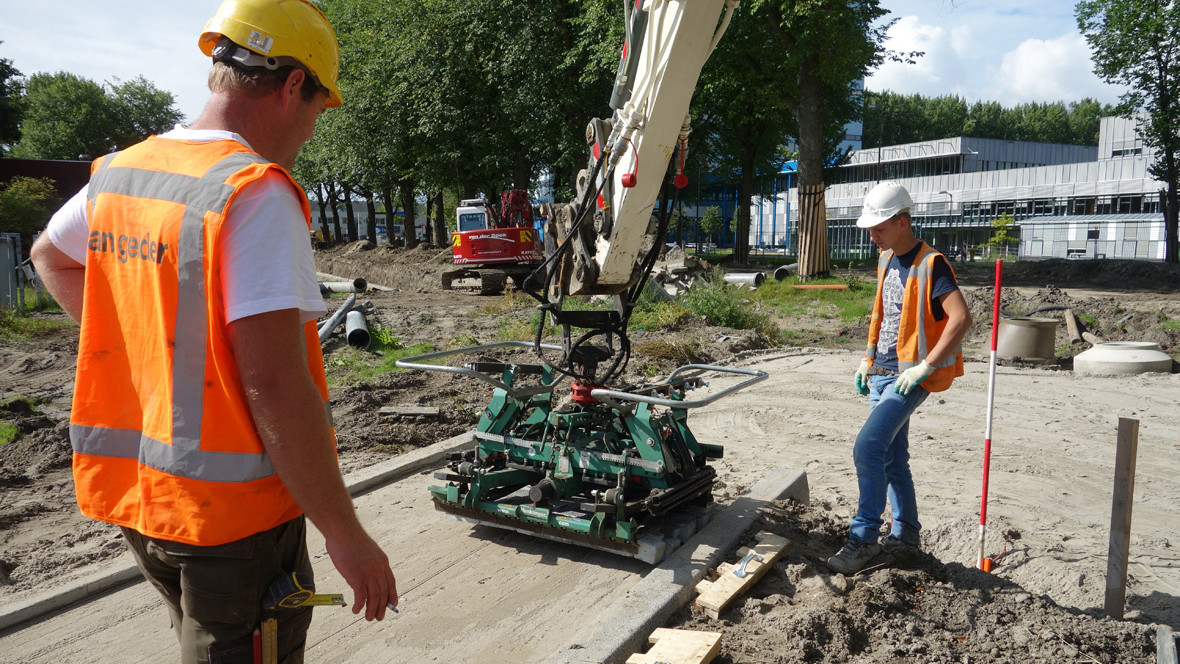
733 580
679 646
409 411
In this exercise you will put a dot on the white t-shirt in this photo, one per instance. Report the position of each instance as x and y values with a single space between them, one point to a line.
266 257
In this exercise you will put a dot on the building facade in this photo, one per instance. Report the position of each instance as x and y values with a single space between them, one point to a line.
1067 201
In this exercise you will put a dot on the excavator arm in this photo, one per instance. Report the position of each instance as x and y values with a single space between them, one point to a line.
603 243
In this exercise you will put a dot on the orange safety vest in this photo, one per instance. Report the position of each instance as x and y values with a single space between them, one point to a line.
917 331
161 430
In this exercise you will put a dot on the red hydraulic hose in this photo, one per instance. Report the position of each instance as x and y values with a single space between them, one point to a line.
984 563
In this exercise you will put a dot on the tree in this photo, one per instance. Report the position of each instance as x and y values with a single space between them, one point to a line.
11 91
26 205
740 112
70 117
827 46
1135 43
711 223
66 117
141 110
1005 233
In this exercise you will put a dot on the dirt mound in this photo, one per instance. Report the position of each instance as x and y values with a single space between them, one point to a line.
417 270
904 607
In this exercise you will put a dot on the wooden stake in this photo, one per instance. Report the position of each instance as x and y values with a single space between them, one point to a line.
1120 517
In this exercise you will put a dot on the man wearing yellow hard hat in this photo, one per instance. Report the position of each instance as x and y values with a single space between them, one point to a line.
200 420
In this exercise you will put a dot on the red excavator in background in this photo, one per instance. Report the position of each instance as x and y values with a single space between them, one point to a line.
494 244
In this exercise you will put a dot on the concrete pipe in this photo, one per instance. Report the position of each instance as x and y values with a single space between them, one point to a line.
751 279
1027 339
356 330
784 271
325 329
357 285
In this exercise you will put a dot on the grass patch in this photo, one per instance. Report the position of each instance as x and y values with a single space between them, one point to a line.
351 365
1088 320
8 433
725 305
1169 324
849 305
15 326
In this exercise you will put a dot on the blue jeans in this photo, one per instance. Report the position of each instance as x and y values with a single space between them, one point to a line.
882 456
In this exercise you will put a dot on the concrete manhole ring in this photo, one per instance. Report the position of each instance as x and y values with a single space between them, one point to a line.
1123 358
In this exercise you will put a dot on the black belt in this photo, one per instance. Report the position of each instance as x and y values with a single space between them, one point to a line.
881 371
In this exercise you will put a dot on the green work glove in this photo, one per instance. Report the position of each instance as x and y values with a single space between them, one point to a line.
862 378
910 378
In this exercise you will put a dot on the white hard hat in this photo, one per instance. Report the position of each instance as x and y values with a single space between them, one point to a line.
882 203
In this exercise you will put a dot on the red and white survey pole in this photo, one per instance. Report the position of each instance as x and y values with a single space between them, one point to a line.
984 563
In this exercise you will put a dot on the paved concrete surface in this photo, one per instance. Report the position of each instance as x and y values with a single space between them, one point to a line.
468 593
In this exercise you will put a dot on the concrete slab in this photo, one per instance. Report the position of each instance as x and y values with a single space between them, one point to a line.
468 593
622 628
123 570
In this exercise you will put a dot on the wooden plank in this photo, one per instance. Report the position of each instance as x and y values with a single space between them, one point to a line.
1120 517
715 595
679 646
1165 645
405 411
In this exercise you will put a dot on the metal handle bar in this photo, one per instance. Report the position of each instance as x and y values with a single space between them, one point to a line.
607 395
517 392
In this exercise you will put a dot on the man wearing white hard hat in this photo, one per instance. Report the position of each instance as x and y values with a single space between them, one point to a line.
200 422
918 323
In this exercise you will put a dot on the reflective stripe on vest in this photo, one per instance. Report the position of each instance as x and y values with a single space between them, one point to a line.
183 457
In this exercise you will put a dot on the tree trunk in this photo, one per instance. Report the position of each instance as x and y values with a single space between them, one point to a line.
813 225
322 202
813 233
337 236
440 221
371 208
409 206
346 191
741 245
387 200
1171 209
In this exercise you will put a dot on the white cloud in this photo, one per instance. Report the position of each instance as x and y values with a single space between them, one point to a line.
978 57
939 71
1049 70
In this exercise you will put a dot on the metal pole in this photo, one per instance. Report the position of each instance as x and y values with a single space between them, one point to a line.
983 562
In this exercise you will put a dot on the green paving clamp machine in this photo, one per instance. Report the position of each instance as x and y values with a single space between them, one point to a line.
611 470
617 457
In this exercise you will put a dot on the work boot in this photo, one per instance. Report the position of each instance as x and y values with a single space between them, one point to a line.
895 544
853 557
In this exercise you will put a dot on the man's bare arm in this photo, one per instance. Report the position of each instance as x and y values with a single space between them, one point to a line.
63 276
958 323
290 417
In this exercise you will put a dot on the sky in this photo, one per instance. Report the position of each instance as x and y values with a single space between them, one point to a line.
1010 51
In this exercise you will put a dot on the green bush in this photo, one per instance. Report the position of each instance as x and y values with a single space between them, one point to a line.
725 305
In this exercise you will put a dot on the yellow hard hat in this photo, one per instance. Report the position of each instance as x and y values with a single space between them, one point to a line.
277 30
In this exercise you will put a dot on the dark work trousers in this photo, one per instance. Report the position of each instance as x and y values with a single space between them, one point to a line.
214 593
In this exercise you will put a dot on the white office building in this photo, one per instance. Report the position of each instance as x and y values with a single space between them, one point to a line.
1068 200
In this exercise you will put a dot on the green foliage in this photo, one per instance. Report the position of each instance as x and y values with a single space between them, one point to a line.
26 205
351 365
11 91
8 433
848 306
15 326
70 117
1005 232
711 221
1133 43
891 119
141 110
725 305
